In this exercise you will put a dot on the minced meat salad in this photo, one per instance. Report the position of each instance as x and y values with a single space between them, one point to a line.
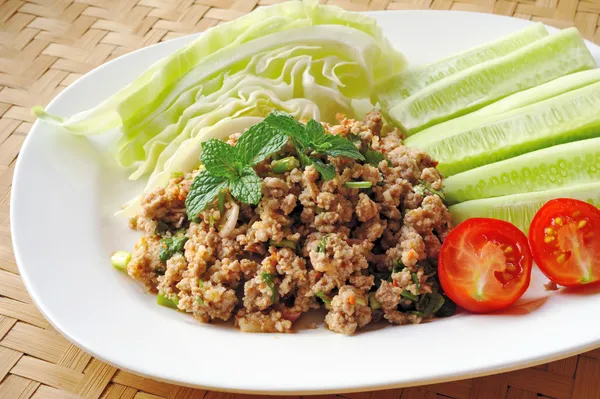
289 217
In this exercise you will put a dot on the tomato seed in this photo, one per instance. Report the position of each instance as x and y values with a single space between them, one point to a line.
558 221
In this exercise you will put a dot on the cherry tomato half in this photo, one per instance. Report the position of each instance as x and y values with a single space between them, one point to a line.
565 241
485 264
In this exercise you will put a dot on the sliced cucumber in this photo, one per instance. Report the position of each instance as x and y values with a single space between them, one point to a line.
519 209
404 85
542 61
571 116
495 110
559 166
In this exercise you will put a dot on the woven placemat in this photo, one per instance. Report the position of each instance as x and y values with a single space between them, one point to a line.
47 44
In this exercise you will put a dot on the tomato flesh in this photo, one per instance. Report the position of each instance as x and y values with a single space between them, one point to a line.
485 264
565 241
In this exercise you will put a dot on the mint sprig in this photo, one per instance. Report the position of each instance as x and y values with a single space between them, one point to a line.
311 140
230 167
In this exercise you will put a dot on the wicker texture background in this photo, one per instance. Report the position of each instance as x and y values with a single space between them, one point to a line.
45 45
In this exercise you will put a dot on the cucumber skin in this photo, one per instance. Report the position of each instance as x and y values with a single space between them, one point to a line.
495 111
519 209
515 134
563 165
488 82
407 83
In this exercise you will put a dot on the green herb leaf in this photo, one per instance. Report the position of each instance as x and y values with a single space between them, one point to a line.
269 280
326 170
171 246
161 228
426 186
287 125
257 143
203 191
322 244
447 309
219 158
337 146
315 133
200 301
312 137
431 303
373 157
247 187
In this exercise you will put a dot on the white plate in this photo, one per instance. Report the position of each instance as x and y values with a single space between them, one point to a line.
65 191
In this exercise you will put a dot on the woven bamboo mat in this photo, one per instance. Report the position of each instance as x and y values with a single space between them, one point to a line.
47 44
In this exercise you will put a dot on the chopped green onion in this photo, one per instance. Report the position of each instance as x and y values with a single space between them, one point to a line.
200 300
358 184
374 304
283 244
415 279
284 165
120 260
360 301
323 297
164 301
409 295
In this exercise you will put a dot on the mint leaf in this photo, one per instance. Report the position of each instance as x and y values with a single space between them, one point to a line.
373 157
337 146
287 125
326 170
315 132
203 191
257 143
247 187
219 158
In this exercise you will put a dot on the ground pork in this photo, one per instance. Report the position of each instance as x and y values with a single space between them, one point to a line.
363 253
349 310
